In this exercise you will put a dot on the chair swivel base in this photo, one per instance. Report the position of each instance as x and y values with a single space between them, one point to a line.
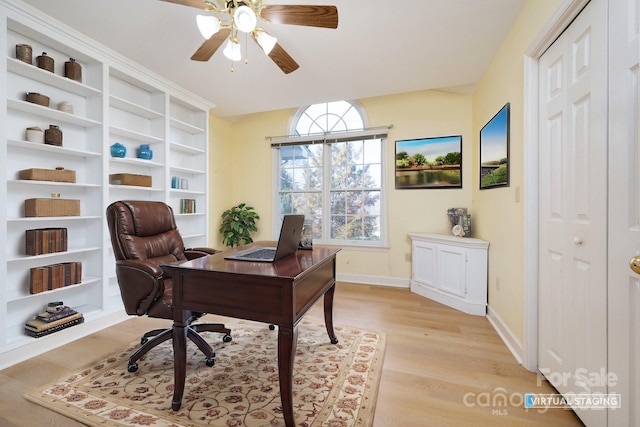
153 338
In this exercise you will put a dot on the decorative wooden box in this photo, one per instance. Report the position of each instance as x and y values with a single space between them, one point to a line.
130 179
51 207
58 174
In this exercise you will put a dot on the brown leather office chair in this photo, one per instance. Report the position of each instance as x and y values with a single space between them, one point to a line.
144 236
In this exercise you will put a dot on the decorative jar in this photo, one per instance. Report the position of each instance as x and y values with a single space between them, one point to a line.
24 53
145 152
118 150
73 70
53 136
34 134
45 62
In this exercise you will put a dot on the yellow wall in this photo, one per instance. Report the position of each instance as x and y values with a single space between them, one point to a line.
413 115
241 170
499 218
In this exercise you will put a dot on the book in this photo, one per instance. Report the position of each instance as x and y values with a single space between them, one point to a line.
38 334
45 316
38 325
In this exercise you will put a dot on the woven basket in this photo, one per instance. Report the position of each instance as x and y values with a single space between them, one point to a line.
51 207
130 179
58 174
24 53
36 98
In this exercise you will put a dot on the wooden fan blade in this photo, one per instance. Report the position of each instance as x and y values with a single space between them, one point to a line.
307 15
209 47
283 60
198 4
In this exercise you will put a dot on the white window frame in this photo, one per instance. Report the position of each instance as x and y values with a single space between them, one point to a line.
366 133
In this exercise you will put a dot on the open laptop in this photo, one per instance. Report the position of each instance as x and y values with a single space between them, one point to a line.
290 234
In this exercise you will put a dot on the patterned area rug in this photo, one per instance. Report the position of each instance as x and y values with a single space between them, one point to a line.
333 385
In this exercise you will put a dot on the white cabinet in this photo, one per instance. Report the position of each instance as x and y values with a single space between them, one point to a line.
115 101
450 270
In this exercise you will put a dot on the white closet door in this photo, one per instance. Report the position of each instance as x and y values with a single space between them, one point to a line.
573 207
624 209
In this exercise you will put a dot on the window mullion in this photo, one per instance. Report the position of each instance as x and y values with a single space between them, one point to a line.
326 193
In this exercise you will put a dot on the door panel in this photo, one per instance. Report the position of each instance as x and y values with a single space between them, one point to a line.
573 207
624 210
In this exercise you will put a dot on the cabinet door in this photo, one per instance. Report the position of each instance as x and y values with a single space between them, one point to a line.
424 256
452 267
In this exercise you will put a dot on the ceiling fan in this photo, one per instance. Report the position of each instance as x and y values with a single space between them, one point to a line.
232 16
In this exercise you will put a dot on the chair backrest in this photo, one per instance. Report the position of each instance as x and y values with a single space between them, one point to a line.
144 230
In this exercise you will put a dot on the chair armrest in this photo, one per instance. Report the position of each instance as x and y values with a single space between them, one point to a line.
145 284
193 253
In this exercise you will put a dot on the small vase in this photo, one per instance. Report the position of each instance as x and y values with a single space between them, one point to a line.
144 152
118 150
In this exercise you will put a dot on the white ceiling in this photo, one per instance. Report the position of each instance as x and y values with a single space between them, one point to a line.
380 47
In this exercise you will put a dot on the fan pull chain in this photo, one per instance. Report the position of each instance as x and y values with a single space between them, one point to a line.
246 48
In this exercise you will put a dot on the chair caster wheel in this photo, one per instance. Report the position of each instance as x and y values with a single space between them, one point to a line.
132 367
210 361
143 340
227 338
272 327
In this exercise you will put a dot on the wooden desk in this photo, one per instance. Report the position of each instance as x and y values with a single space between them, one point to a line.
278 293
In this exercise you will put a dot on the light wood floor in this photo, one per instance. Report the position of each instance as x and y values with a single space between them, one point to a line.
442 367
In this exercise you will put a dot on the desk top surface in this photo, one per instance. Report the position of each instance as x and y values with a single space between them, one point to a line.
290 266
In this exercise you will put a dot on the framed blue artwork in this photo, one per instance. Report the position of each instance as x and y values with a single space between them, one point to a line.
494 151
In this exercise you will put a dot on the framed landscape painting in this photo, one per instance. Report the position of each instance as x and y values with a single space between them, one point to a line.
429 162
494 151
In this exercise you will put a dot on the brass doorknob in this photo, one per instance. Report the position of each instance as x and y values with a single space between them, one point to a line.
634 264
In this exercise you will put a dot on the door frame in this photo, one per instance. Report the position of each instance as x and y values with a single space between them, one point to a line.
563 17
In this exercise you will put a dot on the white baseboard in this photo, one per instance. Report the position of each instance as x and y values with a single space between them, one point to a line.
510 340
50 342
364 279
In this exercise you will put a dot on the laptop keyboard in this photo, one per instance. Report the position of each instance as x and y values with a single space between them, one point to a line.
262 254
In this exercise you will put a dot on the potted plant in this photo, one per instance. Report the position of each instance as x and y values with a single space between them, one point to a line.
237 225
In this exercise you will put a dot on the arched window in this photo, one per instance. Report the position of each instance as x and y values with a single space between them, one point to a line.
330 170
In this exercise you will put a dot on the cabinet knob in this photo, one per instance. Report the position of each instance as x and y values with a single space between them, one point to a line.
577 241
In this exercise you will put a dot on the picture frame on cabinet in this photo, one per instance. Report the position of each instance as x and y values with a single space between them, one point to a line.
494 150
425 163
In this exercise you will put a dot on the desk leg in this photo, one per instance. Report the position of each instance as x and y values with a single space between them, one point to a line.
328 313
179 362
287 341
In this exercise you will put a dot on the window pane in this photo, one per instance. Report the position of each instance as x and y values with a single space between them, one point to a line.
373 151
372 176
338 203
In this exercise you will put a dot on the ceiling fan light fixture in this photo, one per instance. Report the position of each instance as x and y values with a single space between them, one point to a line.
266 41
208 25
245 19
232 49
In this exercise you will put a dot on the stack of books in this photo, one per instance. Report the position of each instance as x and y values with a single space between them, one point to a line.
187 205
54 276
46 323
45 241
